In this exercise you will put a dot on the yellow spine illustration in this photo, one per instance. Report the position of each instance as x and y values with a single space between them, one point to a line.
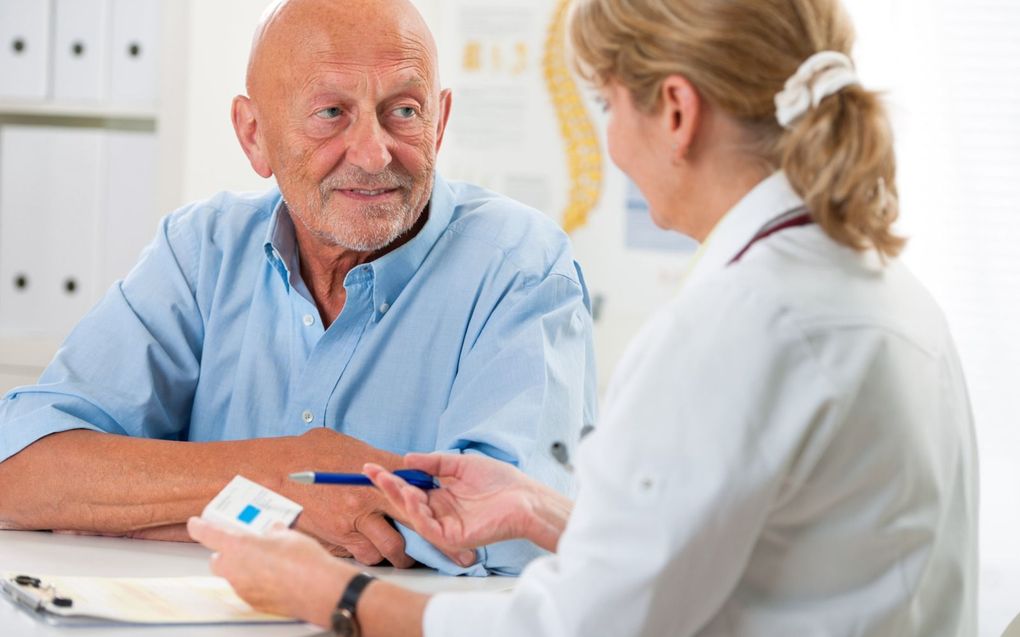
584 159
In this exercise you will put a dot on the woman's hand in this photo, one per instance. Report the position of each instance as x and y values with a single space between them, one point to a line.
481 501
282 572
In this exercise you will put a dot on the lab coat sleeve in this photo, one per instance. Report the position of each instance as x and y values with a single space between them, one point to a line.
712 404
131 364
526 381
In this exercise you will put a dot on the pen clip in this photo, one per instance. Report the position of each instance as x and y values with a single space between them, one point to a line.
417 478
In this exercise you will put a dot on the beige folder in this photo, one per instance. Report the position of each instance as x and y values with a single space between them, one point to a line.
132 600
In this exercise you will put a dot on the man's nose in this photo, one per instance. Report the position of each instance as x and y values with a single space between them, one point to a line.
367 145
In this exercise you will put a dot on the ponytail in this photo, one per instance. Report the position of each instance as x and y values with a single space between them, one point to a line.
836 148
839 158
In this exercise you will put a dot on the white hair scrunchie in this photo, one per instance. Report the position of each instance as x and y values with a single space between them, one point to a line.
821 75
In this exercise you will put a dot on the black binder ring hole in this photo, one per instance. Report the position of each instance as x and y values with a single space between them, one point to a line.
78 48
70 286
134 49
18 44
21 281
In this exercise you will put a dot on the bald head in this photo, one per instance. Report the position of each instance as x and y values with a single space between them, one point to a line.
344 109
294 32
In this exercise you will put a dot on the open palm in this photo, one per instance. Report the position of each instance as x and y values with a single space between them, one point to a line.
481 501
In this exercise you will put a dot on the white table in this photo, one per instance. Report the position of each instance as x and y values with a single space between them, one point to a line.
48 554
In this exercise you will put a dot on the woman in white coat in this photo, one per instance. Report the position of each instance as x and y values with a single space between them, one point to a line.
787 447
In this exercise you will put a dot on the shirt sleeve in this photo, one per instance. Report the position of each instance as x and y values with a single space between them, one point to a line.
130 366
526 380
675 486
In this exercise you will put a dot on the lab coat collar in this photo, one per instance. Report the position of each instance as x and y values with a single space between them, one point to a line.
771 198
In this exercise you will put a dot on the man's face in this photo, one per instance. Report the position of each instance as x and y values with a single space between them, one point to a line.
351 134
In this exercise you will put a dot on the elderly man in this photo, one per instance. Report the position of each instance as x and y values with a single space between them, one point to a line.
364 309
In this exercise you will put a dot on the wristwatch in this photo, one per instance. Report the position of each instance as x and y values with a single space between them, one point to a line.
345 621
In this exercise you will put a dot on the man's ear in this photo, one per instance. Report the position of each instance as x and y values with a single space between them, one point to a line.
246 126
682 111
445 104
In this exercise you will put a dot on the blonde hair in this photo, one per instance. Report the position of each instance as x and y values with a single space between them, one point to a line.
739 53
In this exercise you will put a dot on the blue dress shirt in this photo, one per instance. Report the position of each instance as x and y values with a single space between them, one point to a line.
475 336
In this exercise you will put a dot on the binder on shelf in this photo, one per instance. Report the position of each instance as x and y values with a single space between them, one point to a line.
134 51
50 190
80 49
24 48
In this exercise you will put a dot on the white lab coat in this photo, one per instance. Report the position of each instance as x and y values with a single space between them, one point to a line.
786 449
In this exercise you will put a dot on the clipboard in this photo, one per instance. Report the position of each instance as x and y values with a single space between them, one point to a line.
152 601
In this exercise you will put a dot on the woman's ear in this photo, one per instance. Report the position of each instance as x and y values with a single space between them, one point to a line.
681 112
246 126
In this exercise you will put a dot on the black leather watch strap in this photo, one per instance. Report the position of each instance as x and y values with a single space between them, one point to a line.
352 593
345 623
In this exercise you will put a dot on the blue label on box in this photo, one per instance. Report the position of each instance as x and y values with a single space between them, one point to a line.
250 513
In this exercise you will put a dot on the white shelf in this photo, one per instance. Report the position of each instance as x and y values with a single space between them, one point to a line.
35 108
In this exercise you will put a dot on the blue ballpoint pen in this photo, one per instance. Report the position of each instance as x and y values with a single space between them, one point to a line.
413 477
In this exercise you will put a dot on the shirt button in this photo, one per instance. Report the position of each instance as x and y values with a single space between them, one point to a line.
307 416
309 320
384 308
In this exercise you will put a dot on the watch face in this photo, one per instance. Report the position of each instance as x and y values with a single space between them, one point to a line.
344 624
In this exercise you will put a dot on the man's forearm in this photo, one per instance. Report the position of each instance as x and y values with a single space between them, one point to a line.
89 481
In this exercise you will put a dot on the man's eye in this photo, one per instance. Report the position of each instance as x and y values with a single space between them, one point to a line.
329 113
405 112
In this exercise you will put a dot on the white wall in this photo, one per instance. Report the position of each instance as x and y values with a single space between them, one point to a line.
219 36
950 70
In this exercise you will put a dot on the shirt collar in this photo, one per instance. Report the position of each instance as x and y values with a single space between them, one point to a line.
281 243
391 272
771 198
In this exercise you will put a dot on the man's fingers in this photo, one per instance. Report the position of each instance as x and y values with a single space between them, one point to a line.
362 549
386 539
335 549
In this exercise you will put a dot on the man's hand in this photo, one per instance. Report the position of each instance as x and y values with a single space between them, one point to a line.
349 521
481 501
144 488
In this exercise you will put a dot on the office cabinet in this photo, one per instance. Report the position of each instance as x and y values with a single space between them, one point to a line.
24 48
134 50
90 158
50 198
76 208
80 46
